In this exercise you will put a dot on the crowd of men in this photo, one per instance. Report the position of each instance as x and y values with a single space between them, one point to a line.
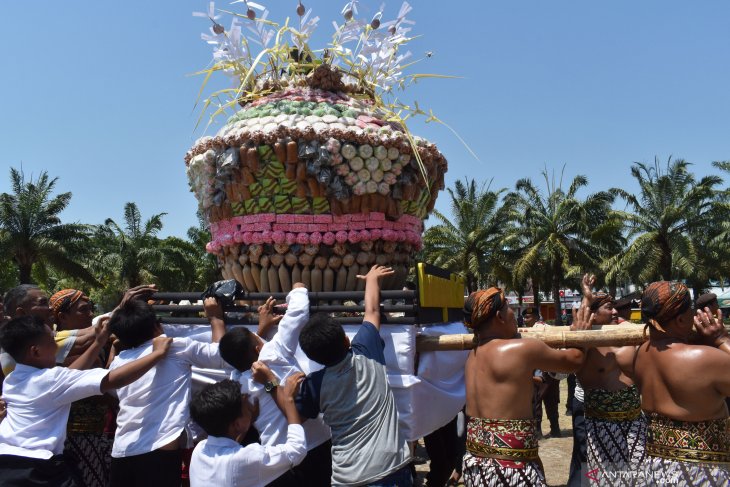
107 400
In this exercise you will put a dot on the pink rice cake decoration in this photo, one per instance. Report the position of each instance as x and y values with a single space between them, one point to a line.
260 227
291 238
298 227
238 220
357 225
337 227
388 225
341 218
322 218
374 224
305 219
359 217
341 236
280 227
376 216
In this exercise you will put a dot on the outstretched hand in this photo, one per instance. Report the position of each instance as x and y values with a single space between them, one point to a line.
213 308
376 272
583 319
145 291
711 328
586 285
267 318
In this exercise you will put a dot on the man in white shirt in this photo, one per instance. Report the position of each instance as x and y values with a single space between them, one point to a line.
241 349
153 411
226 416
39 397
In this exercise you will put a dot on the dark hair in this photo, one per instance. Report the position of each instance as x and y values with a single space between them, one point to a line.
216 406
15 298
323 340
20 333
133 323
237 348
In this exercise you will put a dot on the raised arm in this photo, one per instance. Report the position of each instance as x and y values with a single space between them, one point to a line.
214 313
586 287
130 372
372 293
296 316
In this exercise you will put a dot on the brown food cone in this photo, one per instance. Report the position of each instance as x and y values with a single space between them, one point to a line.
291 152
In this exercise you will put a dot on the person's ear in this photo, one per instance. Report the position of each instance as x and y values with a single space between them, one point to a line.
20 311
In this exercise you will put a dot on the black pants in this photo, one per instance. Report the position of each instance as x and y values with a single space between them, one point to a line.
159 468
444 452
579 444
17 471
315 470
551 399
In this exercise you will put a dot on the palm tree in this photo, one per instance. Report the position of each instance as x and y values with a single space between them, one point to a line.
554 230
206 265
468 242
133 254
31 230
670 205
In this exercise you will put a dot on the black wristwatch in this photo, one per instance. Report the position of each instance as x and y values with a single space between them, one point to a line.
271 385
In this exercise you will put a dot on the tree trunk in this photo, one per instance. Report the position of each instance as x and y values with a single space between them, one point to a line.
556 293
535 293
665 264
24 272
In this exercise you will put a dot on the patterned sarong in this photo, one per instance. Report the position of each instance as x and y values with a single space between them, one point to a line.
615 431
689 453
88 448
502 452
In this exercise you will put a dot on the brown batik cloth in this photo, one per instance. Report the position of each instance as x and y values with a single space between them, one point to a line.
695 453
502 452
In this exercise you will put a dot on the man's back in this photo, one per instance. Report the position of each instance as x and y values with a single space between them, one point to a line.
687 393
500 376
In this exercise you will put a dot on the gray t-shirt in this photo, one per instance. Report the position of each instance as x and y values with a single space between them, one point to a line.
358 405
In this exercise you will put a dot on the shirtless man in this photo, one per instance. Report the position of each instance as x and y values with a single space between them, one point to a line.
615 431
683 388
499 391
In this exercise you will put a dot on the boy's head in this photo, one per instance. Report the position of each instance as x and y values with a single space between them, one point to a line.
29 341
323 340
221 410
240 348
134 322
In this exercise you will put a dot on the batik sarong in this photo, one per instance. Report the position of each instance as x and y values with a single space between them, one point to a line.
688 453
615 431
88 448
502 452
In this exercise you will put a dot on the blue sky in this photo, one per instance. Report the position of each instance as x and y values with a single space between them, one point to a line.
99 93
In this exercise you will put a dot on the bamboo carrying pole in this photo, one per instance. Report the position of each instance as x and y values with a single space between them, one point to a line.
599 336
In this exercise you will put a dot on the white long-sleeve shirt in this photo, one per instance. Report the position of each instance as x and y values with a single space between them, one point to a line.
220 462
153 410
281 357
